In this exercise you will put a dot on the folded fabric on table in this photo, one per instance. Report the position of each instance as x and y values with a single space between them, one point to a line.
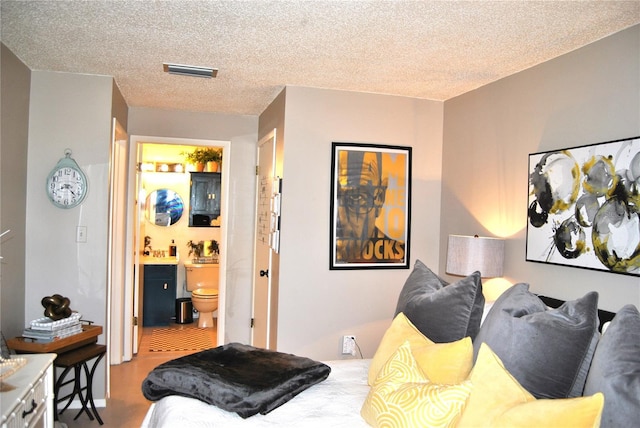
235 377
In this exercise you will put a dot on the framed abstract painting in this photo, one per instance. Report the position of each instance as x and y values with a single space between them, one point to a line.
584 207
370 206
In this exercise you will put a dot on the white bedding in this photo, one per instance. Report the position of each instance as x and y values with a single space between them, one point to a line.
333 403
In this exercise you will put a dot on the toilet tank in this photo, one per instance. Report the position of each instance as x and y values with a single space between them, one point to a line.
205 275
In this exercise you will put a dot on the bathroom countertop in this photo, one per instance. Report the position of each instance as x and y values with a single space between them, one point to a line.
193 262
147 260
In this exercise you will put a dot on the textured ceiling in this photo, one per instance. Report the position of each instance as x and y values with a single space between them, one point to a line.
424 49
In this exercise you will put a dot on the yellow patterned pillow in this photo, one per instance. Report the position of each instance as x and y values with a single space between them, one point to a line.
498 400
442 362
402 396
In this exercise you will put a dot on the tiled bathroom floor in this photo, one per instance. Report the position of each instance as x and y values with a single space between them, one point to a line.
186 339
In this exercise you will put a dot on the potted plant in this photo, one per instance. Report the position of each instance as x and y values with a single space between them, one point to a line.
196 248
195 158
205 156
214 249
213 159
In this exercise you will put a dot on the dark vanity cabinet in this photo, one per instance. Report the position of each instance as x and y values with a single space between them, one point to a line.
204 198
159 295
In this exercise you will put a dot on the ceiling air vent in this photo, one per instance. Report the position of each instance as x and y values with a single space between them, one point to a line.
190 70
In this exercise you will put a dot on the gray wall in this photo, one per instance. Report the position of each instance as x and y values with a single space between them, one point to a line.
587 96
317 306
14 125
69 111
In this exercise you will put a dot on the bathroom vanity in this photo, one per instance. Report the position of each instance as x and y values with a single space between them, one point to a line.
159 294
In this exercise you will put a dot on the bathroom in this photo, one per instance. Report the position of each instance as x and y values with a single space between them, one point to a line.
172 238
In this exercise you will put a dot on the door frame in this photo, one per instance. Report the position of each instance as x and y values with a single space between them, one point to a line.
117 240
132 257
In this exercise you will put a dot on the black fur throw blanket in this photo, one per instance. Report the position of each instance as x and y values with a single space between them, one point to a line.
236 377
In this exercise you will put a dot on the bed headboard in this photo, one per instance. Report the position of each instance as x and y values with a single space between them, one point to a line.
603 315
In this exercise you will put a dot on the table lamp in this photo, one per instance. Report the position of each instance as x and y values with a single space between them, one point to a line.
467 254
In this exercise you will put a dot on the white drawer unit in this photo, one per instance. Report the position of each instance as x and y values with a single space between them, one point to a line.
27 395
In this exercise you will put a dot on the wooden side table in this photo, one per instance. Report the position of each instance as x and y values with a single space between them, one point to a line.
89 335
77 360
73 352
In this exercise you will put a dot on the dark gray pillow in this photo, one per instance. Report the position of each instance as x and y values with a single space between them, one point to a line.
615 370
441 311
547 350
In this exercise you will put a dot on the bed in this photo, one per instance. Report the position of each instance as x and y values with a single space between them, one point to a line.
586 374
334 402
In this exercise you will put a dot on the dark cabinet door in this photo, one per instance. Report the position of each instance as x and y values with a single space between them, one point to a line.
204 198
159 297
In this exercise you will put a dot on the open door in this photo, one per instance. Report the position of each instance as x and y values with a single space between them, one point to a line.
266 243
136 276
132 318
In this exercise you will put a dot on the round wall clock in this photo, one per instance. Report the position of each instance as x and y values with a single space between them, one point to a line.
66 184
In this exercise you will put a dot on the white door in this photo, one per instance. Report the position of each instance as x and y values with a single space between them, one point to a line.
137 240
117 238
132 316
266 238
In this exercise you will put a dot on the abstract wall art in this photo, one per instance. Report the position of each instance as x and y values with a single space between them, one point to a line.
370 206
584 207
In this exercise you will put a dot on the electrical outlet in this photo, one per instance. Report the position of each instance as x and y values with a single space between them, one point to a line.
348 345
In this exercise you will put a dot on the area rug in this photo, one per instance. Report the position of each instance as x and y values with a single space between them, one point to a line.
187 339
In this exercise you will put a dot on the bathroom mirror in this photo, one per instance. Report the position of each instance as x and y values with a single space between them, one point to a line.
164 207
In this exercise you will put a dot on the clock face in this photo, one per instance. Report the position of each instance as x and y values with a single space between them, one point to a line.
66 187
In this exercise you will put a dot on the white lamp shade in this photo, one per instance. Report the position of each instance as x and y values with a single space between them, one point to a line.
467 254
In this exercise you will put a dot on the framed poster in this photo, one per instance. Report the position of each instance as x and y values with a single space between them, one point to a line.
370 206
584 207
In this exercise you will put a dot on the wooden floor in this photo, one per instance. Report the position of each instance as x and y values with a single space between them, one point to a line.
127 406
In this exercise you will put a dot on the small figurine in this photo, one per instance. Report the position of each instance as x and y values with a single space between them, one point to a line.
56 307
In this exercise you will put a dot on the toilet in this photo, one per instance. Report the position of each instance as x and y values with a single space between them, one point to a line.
202 282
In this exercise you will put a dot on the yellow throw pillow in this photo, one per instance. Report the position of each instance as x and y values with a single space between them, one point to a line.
448 363
580 412
494 392
402 396
498 400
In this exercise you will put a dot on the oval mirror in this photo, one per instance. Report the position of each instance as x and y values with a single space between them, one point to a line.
164 207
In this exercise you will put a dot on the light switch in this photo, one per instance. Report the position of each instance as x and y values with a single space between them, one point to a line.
81 234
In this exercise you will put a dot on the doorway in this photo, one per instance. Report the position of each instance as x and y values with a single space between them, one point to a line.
131 332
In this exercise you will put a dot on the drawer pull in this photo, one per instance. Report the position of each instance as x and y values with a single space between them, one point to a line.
33 408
